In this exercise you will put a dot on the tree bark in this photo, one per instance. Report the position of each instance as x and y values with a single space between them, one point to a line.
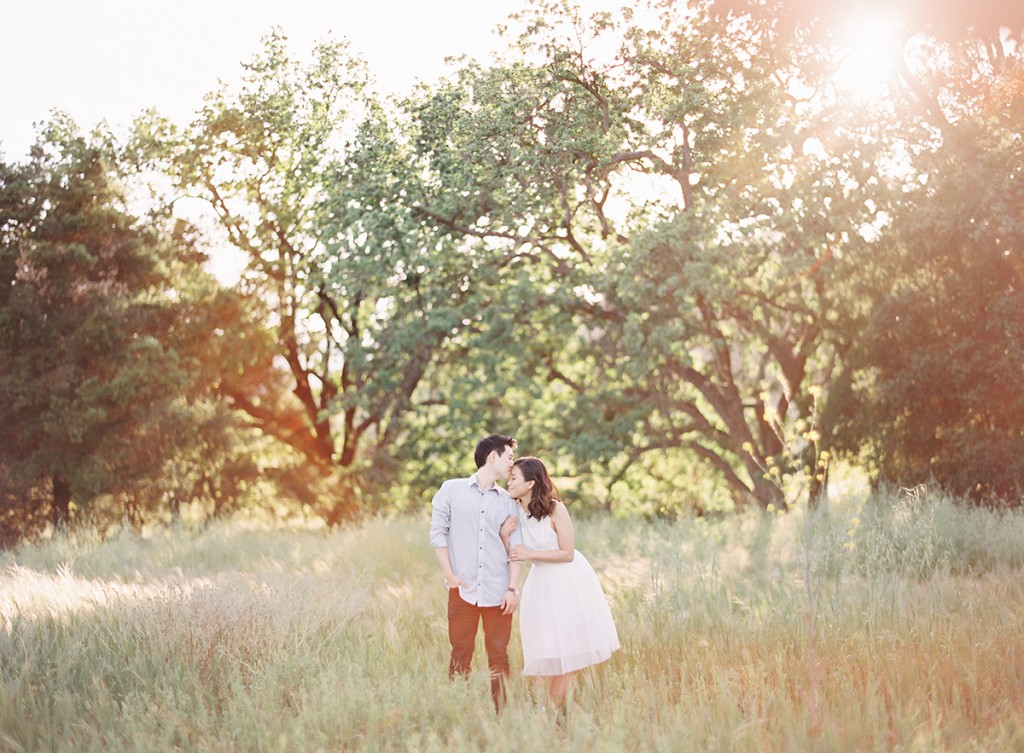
817 491
61 505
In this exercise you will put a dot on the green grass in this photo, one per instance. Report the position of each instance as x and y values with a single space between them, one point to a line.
874 626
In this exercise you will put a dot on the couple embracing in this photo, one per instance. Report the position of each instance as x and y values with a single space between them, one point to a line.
482 535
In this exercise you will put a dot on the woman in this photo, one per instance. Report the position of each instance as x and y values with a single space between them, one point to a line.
564 620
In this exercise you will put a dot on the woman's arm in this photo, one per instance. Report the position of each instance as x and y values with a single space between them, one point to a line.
505 532
562 524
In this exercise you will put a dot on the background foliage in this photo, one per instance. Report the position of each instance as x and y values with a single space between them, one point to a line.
664 247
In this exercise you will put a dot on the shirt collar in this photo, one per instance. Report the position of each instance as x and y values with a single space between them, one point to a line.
474 481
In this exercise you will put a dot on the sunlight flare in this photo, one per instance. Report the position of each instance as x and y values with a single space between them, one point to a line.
871 37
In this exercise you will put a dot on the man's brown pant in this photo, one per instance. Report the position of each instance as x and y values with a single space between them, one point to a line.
463 619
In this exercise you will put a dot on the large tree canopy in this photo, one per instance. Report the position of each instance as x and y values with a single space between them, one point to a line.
671 211
935 381
104 320
309 178
663 244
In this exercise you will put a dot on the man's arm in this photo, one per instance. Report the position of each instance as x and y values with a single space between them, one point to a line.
450 578
511 600
505 532
440 524
509 532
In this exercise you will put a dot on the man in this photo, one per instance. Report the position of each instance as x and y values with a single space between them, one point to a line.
481 580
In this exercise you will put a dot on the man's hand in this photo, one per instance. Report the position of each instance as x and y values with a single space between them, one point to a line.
455 582
509 603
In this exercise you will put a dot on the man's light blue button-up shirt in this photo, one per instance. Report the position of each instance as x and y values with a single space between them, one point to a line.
466 520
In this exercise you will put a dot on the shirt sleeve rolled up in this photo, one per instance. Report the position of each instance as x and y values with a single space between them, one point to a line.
441 516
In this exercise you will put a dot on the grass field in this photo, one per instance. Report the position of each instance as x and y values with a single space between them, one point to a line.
884 625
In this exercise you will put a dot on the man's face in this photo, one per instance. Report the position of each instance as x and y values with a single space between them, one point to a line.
504 463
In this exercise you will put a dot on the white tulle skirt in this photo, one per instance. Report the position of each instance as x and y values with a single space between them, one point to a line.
564 619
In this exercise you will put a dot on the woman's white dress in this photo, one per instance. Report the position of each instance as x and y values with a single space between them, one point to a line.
564 620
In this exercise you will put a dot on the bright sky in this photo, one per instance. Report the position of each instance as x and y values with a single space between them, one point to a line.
111 59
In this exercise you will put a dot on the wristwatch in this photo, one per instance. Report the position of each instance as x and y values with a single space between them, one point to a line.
515 590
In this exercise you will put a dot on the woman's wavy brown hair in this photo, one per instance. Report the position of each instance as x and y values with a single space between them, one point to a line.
544 495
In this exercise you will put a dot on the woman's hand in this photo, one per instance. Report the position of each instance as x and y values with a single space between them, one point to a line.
505 530
520 553
511 523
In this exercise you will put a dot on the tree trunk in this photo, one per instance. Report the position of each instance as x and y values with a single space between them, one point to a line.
61 506
817 491
768 493
345 505
133 513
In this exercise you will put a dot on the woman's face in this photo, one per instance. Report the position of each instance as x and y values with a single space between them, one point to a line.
518 487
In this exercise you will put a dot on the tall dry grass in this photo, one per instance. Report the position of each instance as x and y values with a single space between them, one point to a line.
879 624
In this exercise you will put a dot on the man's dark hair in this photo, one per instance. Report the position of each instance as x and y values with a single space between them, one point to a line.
494 443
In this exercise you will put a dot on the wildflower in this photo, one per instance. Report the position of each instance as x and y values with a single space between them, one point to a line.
814 391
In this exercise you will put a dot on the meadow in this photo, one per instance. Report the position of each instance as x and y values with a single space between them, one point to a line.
877 624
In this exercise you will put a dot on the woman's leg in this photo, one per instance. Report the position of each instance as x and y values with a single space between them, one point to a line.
558 689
